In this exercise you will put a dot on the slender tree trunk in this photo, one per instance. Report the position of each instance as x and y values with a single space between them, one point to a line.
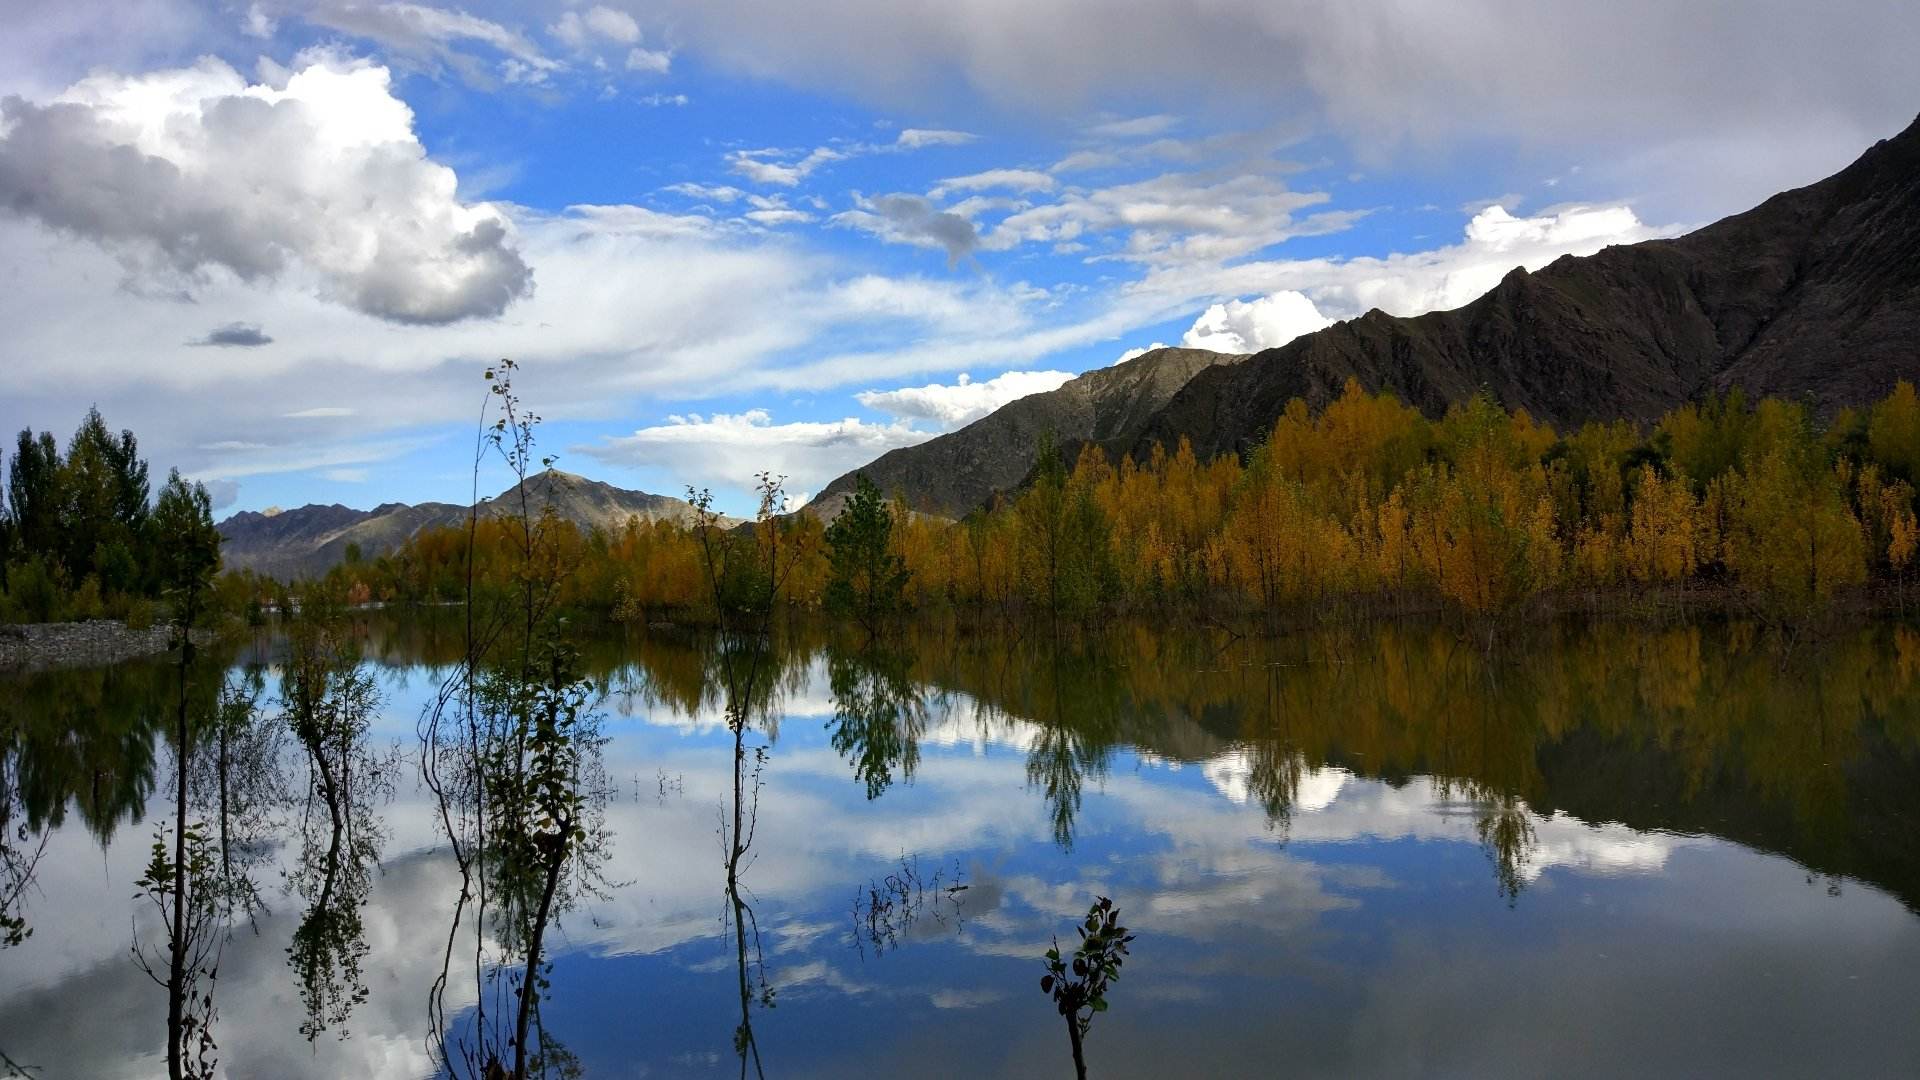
177 939
1073 1036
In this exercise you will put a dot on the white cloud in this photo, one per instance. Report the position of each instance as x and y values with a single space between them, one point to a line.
189 173
579 30
1135 128
258 23
722 193
1173 218
952 405
1019 180
728 449
1495 243
919 138
1137 352
651 61
438 37
765 167
1248 326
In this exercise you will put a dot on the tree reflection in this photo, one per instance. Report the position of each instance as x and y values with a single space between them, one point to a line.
879 713
511 750
1505 827
329 698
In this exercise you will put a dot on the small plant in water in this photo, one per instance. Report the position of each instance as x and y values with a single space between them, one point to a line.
1079 984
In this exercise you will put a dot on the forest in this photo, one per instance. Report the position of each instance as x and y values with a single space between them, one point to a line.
1365 506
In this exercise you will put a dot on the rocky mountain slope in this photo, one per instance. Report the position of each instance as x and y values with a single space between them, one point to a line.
311 539
957 471
1814 294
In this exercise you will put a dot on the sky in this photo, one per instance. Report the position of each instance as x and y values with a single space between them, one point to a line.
282 242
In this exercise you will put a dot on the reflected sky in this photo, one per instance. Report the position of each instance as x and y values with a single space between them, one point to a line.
1379 854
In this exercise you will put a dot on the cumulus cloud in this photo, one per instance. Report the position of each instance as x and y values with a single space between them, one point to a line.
235 335
910 219
195 171
952 405
1269 322
1139 351
729 449
1495 243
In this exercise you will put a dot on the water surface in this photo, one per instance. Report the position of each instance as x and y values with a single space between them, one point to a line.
1600 850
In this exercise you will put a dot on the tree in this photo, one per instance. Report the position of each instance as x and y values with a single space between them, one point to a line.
184 543
33 492
867 578
1078 985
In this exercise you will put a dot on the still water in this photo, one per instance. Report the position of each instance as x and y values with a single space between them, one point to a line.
1600 850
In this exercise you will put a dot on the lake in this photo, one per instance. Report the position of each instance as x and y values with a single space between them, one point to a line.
1600 849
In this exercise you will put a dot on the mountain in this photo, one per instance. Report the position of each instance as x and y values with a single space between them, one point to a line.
958 471
311 539
1813 294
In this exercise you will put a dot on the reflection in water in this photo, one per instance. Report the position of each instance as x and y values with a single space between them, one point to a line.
1287 818
330 700
522 793
887 911
879 714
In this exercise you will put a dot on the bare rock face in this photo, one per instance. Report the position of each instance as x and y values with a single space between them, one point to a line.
310 539
961 470
1814 294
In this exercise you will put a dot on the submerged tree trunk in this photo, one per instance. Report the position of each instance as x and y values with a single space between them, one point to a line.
177 937
528 994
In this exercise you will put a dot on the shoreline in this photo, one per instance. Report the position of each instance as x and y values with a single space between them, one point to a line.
26 647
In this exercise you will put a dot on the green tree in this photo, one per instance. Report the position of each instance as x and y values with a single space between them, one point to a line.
866 576
184 544
33 493
103 504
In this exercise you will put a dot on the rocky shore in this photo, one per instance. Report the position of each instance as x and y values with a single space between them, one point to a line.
35 646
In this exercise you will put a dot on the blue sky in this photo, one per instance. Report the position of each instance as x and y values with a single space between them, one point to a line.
281 241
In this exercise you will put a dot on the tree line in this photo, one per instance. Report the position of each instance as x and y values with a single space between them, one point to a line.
1366 504
83 537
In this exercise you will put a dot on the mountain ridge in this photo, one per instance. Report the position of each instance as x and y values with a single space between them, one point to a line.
311 539
951 474
1813 293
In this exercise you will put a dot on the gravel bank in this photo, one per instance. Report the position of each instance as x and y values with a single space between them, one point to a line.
35 646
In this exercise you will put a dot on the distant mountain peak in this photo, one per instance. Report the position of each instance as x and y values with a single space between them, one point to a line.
308 540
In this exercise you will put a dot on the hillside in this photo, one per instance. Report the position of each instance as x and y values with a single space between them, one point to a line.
957 471
310 539
1813 294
